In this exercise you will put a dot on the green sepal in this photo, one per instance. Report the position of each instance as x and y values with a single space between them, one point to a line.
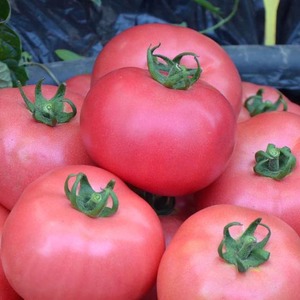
275 162
50 112
244 252
255 104
86 200
169 72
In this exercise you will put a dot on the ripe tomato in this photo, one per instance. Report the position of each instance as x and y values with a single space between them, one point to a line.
161 140
50 250
6 291
29 148
129 49
268 97
240 185
79 84
192 269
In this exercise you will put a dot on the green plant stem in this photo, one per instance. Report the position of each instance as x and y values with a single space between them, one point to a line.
223 20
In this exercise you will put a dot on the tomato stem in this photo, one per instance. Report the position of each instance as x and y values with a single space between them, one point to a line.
85 199
169 72
255 104
275 162
50 112
246 251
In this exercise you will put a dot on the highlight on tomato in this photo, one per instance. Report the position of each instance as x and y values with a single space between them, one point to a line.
231 252
78 232
163 130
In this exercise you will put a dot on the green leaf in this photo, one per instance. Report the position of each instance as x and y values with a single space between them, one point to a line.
10 53
66 55
10 44
18 73
4 11
5 78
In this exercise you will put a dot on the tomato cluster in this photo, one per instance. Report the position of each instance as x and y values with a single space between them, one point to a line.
160 175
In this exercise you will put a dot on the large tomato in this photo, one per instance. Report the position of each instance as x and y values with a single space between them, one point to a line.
50 250
6 291
162 140
29 148
129 49
240 184
191 267
262 98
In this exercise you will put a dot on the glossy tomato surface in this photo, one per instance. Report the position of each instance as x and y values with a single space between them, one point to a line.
192 269
240 185
29 148
129 48
52 251
161 140
270 93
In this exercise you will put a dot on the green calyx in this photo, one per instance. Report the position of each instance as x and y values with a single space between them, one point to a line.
169 72
86 200
255 104
50 112
246 251
275 162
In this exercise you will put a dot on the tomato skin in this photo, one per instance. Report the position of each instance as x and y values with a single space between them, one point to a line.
28 148
63 254
129 48
6 291
79 84
191 268
270 93
239 185
161 140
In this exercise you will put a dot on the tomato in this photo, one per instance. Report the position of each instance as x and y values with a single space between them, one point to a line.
269 98
50 250
192 269
241 185
6 291
129 49
29 148
162 140
79 84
